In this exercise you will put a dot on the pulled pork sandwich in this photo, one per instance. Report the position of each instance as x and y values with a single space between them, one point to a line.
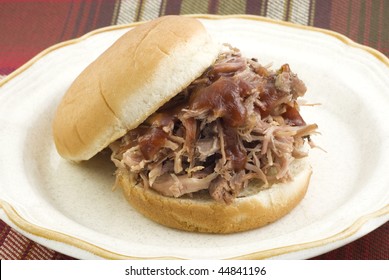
203 138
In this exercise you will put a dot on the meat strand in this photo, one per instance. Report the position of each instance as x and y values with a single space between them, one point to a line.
237 122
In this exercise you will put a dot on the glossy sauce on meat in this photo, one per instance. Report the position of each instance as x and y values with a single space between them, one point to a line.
233 150
292 116
152 141
270 96
153 138
223 99
160 119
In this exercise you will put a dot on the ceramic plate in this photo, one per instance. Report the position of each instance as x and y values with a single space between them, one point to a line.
71 207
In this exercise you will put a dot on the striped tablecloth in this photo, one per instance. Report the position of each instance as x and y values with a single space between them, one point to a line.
28 27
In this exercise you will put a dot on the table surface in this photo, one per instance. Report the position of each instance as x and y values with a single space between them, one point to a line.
28 27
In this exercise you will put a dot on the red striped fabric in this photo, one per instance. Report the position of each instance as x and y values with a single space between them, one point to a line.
362 249
30 27
14 246
50 22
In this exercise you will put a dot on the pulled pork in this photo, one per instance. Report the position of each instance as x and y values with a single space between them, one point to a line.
237 122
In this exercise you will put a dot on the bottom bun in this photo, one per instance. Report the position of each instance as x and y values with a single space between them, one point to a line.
201 213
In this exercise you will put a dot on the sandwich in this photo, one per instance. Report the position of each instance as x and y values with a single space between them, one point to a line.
203 138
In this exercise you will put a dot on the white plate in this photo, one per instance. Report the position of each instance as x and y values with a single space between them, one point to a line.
71 208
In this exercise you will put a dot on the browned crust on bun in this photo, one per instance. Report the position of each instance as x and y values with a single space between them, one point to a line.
209 216
128 82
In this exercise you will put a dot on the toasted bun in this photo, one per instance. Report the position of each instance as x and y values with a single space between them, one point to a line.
203 214
140 72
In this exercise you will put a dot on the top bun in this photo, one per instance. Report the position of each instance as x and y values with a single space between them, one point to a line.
140 72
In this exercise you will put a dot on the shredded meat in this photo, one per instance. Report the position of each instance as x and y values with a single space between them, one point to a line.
237 122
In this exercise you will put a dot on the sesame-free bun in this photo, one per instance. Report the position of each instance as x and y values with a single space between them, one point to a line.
255 208
141 71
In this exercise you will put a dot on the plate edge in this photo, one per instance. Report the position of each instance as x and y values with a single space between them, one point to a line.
22 223
42 232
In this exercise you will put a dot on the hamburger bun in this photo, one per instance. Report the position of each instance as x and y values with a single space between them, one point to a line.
130 81
256 207
142 70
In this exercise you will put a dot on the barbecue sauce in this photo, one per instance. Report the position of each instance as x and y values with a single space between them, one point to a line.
152 141
269 97
224 100
292 116
233 150
154 137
